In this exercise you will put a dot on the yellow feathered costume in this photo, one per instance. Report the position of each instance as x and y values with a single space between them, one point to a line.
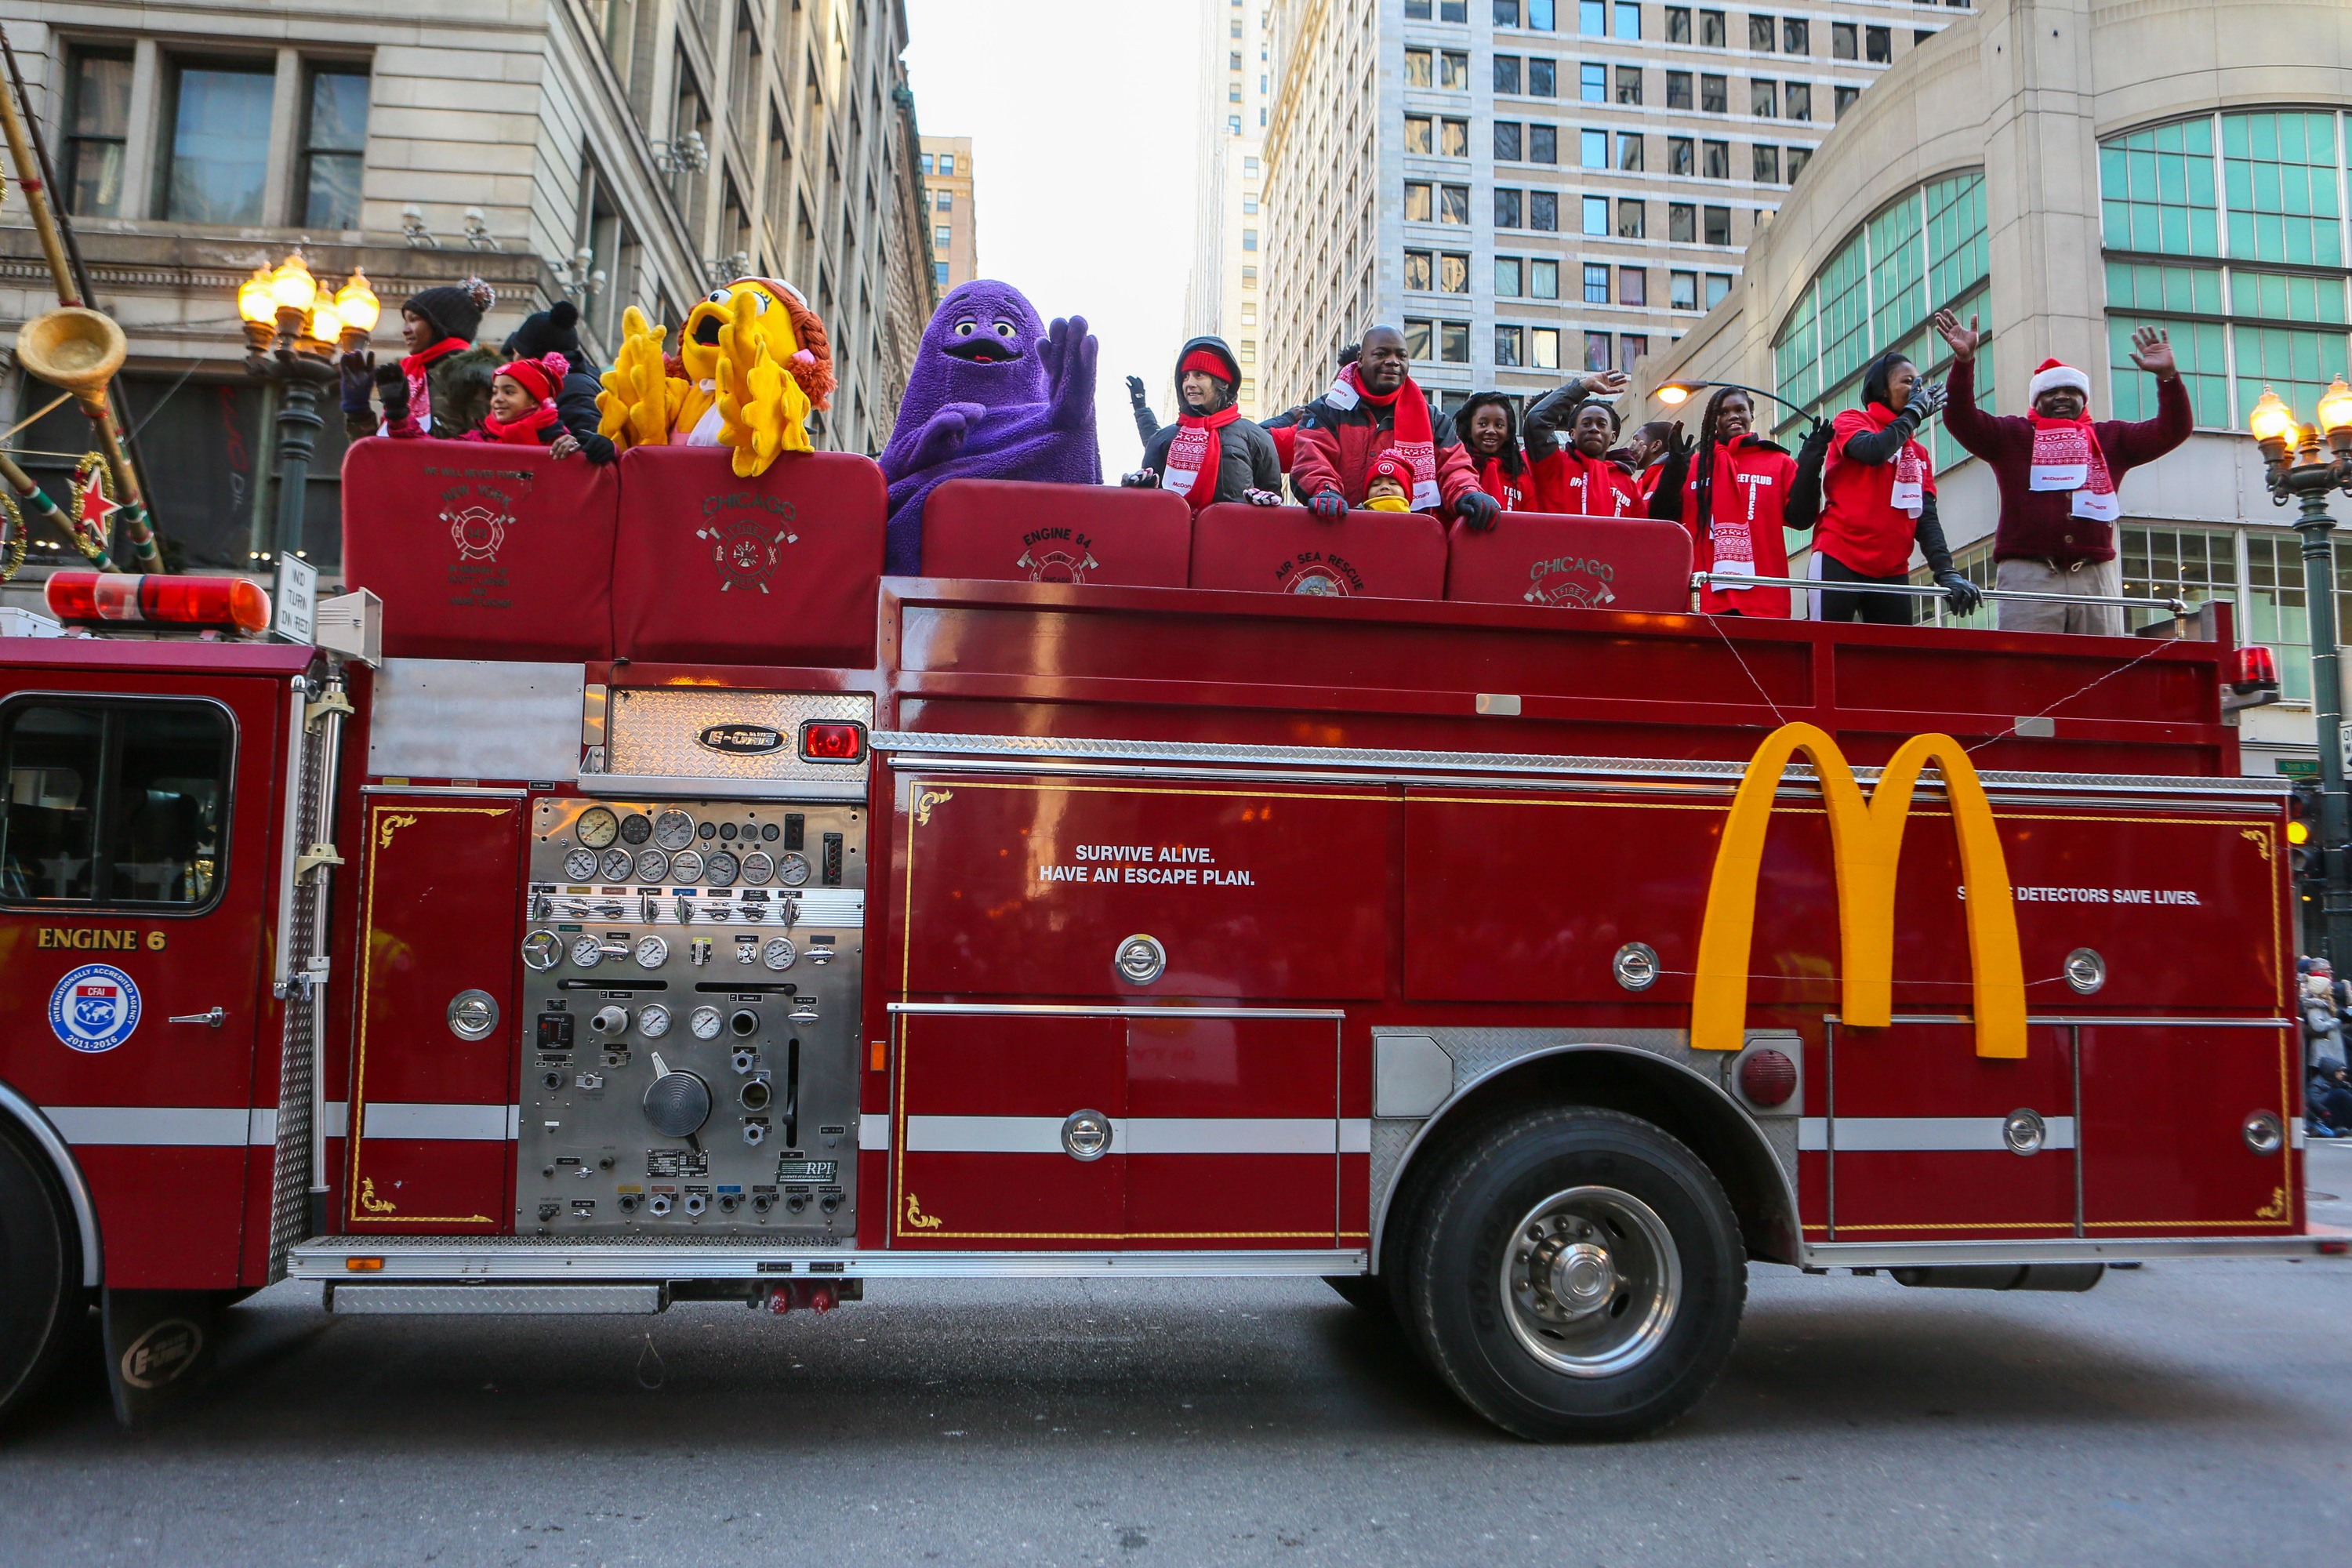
755 362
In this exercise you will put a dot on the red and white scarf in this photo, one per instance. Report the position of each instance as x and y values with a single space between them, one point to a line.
1731 530
1195 454
1411 438
420 391
2066 456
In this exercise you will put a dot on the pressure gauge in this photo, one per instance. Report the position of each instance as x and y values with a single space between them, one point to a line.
757 869
587 951
720 869
616 865
653 1021
636 827
579 865
673 830
778 954
703 1022
685 867
652 952
598 827
792 870
541 949
652 865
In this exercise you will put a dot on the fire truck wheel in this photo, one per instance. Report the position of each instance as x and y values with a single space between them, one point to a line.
1578 1275
38 1290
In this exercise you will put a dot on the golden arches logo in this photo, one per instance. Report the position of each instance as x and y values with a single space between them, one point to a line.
1866 838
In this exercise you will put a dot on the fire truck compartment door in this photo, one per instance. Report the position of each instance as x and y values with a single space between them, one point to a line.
1045 1131
1034 887
431 1144
2166 1117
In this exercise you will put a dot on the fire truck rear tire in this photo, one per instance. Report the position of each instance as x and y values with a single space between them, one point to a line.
38 1291
1577 1273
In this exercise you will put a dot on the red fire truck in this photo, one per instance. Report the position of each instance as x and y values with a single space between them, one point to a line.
670 906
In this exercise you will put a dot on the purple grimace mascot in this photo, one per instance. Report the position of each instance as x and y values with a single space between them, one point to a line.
994 395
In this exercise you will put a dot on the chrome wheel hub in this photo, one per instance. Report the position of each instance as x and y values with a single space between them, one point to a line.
1593 1281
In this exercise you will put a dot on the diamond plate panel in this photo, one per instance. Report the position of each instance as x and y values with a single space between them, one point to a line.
662 733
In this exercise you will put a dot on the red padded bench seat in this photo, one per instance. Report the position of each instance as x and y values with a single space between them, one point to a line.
1289 550
1019 531
785 568
481 551
1576 563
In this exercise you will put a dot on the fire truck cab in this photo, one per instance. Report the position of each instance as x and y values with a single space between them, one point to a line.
672 907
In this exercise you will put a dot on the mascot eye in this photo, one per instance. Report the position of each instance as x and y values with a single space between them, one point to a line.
1006 330
758 304
717 296
965 329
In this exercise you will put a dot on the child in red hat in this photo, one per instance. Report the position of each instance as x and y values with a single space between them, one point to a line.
522 407
1388 487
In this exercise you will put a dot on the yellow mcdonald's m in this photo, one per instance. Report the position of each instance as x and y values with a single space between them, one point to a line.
1866 837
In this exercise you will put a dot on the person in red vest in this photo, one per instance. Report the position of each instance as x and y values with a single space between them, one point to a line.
1734 492
1375 406
1878 498
2058 472
1211 453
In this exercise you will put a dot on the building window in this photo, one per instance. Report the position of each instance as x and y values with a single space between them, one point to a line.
1596 217
1452 273
1507 74
220 144
1845 41
1628 19
1507 147
1454 139
1454 342
942 237
1453 203
1420 199
1507 208
939 273
1593 17
1798 98
1797 158
1593 150
1629 150
1682 290
1249 315
1632 221
1678 89
1543 144
1419 68
1234 92
1592 82
1508 276
1454 10
1718 226
1629 84
1767 163
1543 211
1681 155
1596 283
1714 94
1452 71
1249 168
1596 351
1419 270
1759 34
1421 135
947 202
1764 99
1678 25
1417 339
1682 223
926 162
1878 46
1636 345
1543 77
97 121
1416 10
1249 277
1844 97
1719 284
1543 278
947 164
1249 239
1712 34
1543 348
1232 124
1718 162
1248 355
1507 13
1633 285
1507 343
1249 204
1539 15
1796 36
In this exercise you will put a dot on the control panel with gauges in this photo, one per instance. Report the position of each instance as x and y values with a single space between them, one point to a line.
690 1042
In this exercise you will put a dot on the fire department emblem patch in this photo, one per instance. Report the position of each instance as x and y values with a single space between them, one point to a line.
94 1008
1319 573
1570 582
747 551
1058 564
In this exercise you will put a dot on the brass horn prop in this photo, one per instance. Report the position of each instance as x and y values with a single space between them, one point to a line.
74 349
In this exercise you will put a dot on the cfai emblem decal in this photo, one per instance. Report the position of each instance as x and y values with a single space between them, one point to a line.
747 547
94 1008
740 740
1056 556
477 529
1319 573
1570 582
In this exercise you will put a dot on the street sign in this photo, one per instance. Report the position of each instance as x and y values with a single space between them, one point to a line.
2298 767
297 599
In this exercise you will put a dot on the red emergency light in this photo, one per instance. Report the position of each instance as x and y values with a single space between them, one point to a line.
2257 670
230 603
824 741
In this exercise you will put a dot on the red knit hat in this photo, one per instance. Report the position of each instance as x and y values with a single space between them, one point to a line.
1393 467
539 376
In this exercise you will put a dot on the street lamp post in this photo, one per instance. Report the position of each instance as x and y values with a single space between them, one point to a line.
2298 467
292 329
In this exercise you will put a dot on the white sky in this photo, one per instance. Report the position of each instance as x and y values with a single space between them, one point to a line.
1084 120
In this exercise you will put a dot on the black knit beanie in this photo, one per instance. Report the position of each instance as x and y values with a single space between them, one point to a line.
455 310
554 329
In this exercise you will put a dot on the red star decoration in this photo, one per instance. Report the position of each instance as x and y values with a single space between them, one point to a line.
95 508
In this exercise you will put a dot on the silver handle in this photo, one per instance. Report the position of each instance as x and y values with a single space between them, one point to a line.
1927 591
216 1019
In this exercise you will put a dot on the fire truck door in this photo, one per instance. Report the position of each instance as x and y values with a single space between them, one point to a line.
1232 1136
135 879
1928 1142
2186 1129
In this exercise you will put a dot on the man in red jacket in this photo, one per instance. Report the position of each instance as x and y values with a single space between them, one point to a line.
2058 473
1373 408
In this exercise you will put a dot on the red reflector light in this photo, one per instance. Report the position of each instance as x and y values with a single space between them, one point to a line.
823 743
232 604
2335 1248
1767 1078
2257 668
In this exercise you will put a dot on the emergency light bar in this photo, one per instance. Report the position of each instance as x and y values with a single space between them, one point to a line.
230 603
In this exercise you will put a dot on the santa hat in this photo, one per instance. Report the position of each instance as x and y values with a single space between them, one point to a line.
2050 375
1389 465
541 376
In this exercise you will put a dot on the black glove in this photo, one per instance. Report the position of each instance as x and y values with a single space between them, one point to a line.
1477 511
1961 594
1135 393
1141 479
1677 444
391 389
357 372
1329 505
1262 498
1928 400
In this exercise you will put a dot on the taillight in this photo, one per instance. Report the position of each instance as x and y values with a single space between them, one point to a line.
232 604
2257 670
824 741
1767 1078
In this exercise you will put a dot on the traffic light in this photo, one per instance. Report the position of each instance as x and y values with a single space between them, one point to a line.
2303 837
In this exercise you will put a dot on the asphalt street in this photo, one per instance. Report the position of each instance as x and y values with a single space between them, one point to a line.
2180 1413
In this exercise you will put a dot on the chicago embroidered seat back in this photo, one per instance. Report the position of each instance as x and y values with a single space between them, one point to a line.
1572 562
481 551
785 568
1022 532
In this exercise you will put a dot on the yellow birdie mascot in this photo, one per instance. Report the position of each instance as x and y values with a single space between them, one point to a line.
753 363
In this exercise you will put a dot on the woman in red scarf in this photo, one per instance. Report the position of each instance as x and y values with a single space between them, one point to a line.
1734 494
522 407
1211 454
1879 497
1490 435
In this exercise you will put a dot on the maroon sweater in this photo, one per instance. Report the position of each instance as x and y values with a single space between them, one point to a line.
2039 524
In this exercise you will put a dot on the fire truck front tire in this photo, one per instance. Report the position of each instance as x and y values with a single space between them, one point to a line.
38 1292
1577 1273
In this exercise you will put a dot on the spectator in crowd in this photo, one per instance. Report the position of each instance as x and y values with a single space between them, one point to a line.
2328 1095
2058 472
1375 406
554 332
1577 476
1878 499
523 411
1489 431
1211 453
1639 456
1735 492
